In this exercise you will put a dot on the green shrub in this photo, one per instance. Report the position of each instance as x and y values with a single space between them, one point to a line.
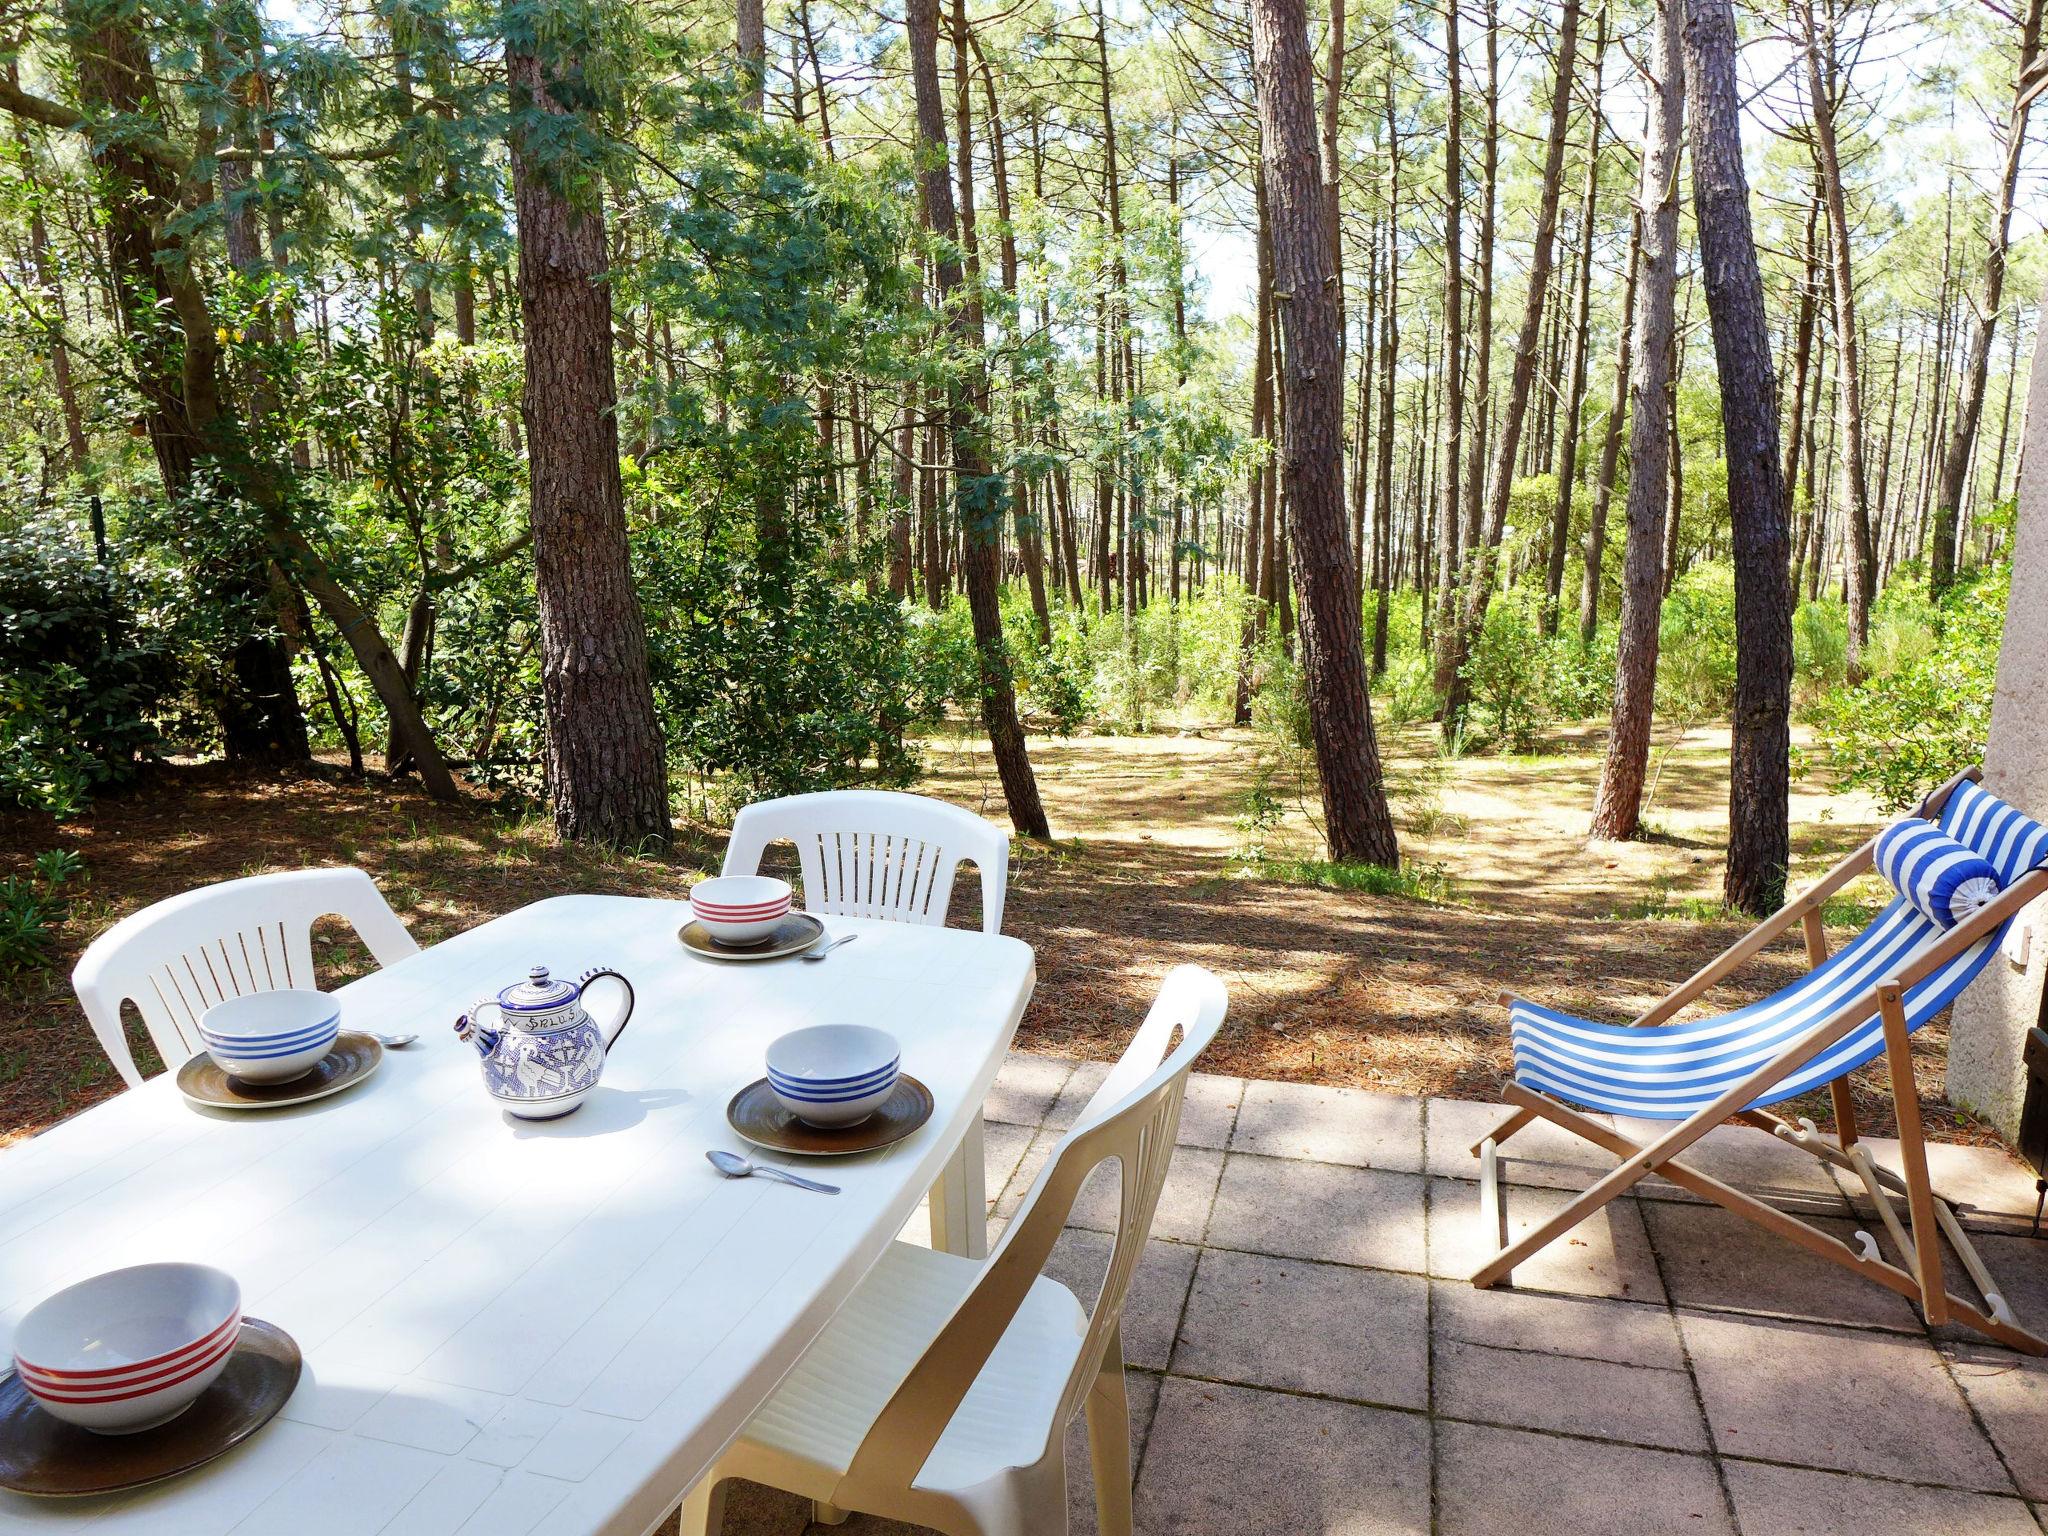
30 908
1696 644
1900 733
1507 671
84 668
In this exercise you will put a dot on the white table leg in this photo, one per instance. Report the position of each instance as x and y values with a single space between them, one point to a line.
959 1200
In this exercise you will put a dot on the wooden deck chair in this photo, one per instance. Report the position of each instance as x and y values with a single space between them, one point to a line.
1851 1007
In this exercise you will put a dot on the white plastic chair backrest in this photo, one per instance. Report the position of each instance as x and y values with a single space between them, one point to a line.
176 959
1134 1118
877 853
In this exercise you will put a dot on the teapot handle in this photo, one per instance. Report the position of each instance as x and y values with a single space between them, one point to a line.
618 1026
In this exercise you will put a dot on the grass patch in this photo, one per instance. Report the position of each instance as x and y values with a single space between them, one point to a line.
1417 882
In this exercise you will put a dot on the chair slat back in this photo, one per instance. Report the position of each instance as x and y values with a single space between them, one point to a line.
1133 1119
877 853
180 957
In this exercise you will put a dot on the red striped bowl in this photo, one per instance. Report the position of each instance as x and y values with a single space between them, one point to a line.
129 1349
740 909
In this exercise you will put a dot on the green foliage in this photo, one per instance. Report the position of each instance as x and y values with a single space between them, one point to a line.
31 906
1904 731
1417 882
1506 671
83 672
1696 644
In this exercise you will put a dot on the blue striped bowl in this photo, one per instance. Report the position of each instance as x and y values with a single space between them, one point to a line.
271 1037
833 1074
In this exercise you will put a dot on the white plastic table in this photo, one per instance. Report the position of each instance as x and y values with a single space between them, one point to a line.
511 1327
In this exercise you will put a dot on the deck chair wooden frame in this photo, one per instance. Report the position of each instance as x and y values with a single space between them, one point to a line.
1928 1218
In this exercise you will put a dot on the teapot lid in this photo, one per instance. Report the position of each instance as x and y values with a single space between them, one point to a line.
538 994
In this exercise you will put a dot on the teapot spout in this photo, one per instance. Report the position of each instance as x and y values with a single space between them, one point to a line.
478 1034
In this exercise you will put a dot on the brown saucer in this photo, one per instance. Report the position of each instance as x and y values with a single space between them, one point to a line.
759 1118
41 1454
354 1057
792 936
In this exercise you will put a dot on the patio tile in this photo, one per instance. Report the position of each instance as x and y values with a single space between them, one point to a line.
1841 1400
1991 1190
1301 1210
1793 1501
1036 1151
1541 1155
1183 1209
1026 1089
2010 1394
1305 1327
1584 1327
1152 1307
1142 1389
1754 1162
1002 1149
1210 1109
1580 1397
1075 1094
1607 1254
1714 1258
1233 1459
1509 1482
1331 1125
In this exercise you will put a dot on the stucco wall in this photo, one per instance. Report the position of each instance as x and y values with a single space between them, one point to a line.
1993 1016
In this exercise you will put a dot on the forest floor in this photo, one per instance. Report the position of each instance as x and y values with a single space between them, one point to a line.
1152 865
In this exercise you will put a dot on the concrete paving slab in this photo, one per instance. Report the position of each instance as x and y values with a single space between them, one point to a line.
1606 1254
1026 1089
1713 1258
1590 1329
1303 1327
1796 1501
1224 1458
1540 1154
1510 1482
1838 1399
1331 1125
1636 1404
1209 1110
1184 1201
1302 1210
1159 1288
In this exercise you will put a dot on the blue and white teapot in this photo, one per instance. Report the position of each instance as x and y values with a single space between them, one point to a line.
548 1052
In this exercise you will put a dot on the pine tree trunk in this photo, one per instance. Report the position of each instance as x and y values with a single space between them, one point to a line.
1356 820
1617 812
1522 376
980 494
1576 344
1759 846
1822 88
606 766
1955 466
1610 445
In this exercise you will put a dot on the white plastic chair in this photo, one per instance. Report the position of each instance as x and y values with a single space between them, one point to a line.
877 853
941 1393
178 958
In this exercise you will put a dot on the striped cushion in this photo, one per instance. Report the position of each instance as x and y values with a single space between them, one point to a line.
1669 1071
1940 876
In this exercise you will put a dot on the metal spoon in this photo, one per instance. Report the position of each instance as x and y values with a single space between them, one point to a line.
825 949
733 1166
395 1042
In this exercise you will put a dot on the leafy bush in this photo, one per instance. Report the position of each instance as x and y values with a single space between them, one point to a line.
1506 671
83 671
1901 733
30 908
1696 644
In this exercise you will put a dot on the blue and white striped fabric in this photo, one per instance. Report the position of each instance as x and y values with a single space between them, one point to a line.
1940 876
1669 1071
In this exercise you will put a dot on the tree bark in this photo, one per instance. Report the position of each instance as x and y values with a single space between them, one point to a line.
979 493
1522 375
1862 572
1955 466
1576 346
1452 414
606 765
1617 812
1357 823
1610 445
1759 839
